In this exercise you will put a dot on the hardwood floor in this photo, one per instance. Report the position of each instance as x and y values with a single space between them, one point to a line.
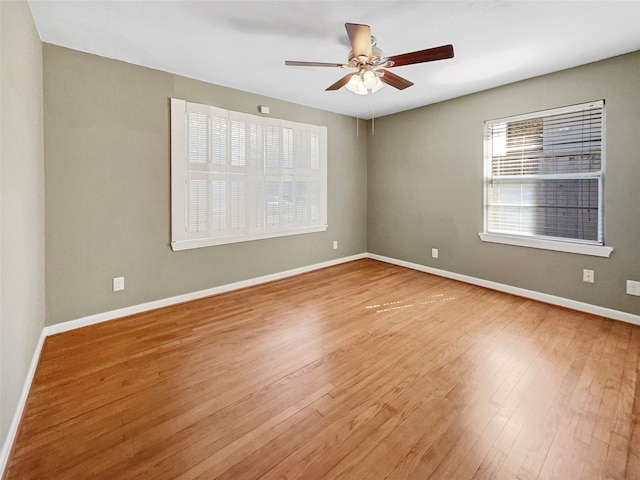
360 371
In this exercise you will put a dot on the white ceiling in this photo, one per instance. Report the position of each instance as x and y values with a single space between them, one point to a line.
243 44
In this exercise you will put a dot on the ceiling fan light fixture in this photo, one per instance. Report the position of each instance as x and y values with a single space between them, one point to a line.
356 85
379 84
369 79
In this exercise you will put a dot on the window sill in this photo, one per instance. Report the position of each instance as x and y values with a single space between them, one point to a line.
579 248
213 241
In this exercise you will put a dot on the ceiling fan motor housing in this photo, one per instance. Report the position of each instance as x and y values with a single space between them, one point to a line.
376 59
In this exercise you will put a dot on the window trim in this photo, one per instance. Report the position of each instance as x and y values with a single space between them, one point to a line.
578 246
179 239
213 241
545 244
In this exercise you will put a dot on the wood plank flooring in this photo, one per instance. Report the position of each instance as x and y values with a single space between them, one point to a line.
360 371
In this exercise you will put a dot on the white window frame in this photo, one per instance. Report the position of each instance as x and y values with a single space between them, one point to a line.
246 220
579 246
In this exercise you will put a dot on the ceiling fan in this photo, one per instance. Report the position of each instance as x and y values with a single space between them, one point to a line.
371 64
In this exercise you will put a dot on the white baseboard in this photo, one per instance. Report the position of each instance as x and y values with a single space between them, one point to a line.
123 312
102 317
17 415
521 292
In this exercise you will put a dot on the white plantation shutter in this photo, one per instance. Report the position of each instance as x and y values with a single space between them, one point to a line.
287 146
238 177
302 147
315 208
273 197
198 211
197 133
218 140
238 142
314 149
218 206
256 147
302 202
272 144
288 202
256 206
545 174
238 205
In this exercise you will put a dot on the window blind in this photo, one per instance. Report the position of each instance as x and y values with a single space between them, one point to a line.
238 177
545 174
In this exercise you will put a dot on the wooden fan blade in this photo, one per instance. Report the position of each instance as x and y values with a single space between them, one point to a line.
394 80
360 38
313 64
340 83
421 56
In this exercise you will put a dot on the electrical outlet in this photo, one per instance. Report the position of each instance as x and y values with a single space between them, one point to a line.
335 244
118 284
434 252
633 288
587 276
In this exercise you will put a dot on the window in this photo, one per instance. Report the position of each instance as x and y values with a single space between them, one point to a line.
544 180
237 177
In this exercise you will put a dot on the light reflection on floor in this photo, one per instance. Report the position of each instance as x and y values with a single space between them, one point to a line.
399 304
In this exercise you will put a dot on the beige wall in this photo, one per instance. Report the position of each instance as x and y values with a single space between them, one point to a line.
21 202
425 170
107 188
